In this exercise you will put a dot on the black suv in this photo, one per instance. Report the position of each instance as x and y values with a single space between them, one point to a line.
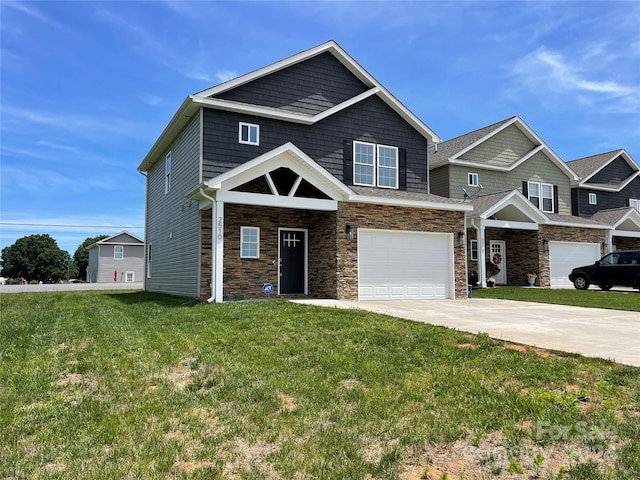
620 268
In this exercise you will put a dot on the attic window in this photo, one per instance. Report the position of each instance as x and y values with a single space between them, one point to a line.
593 199
249 133
472 179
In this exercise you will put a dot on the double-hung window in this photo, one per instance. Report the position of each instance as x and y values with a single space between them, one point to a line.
472 179
249 242
541 195
593 199
375 165
118 252
249 133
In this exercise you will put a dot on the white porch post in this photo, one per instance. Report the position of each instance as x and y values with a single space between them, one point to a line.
481 256
217 246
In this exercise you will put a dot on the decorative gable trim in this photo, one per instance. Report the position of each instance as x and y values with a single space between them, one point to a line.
520 202
609 188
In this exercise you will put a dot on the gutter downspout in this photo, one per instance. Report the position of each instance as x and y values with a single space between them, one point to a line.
146 241
213 237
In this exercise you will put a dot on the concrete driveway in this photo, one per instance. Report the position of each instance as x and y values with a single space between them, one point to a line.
593 332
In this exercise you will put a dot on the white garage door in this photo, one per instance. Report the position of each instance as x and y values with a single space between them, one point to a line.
565 256
396 265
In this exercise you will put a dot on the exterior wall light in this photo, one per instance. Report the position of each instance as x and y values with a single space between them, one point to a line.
348 230
461 241
545 245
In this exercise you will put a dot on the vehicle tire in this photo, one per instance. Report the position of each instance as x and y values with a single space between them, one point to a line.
581 283
606 288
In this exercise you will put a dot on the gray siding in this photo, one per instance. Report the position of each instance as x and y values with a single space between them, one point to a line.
606 200
132 261
92 267
309 87
370 120
439 181
173 221
614 173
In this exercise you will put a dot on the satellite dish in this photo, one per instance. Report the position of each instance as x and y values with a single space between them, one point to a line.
466 193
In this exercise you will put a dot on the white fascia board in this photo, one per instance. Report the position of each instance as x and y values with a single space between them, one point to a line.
631 215
265 200
509 224
625 233
481 140
398 202
611 189
622 152
184 113
267 112
578 225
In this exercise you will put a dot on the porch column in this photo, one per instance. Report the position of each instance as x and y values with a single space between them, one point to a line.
217 246
481 256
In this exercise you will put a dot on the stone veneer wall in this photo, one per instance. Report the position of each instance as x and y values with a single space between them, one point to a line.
205 253
626 243
245 276
555 233
364 215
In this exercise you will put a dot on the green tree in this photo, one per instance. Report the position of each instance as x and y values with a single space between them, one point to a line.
81 257
35 257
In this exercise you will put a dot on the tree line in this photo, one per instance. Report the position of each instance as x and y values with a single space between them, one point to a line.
37 258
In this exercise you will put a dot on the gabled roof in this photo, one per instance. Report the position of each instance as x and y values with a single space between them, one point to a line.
619 217
450 152
133 240
587 167
203 99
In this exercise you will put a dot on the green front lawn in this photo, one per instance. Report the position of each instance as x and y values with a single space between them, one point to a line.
615 299
105 385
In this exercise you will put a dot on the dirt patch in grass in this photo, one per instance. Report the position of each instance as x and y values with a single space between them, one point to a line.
492 457
244 454
287 402
181 375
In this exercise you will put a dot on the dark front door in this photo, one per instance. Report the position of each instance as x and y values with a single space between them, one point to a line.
293 247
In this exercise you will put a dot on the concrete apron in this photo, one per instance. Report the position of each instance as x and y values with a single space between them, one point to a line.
593 332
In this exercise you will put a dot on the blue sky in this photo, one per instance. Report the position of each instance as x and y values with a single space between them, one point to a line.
86 87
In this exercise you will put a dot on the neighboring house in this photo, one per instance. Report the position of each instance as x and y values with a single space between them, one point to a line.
521 196
608 191
307 175
119 258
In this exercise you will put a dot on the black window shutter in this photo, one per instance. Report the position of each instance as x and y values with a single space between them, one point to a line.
555 199
402 168
347 156
525 189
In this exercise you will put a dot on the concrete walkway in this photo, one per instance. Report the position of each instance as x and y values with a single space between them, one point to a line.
593 332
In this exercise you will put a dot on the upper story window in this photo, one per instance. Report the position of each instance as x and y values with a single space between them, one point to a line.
118 252
593 199
541 195
249 133
635 203
472 179
375 165
167 174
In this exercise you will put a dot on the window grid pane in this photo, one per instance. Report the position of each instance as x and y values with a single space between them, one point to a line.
363 164
249 242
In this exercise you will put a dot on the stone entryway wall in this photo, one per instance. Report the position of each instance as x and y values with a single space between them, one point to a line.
555 233
522 253
626 243
365 215
244 277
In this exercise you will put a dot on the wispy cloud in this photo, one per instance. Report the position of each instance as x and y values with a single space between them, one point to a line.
225 75
36 14
585 78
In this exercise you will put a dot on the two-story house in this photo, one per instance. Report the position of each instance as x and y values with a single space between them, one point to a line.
118 258
608 191
521 196
304 177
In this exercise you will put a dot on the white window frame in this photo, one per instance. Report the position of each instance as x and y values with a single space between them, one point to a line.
593 199
634 203
541 197
167 173
249 127
473 179
118 248
149 260
376 166
243 230
126 277
474 250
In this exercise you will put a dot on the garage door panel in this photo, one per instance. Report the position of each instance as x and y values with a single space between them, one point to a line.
565 256
404 265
